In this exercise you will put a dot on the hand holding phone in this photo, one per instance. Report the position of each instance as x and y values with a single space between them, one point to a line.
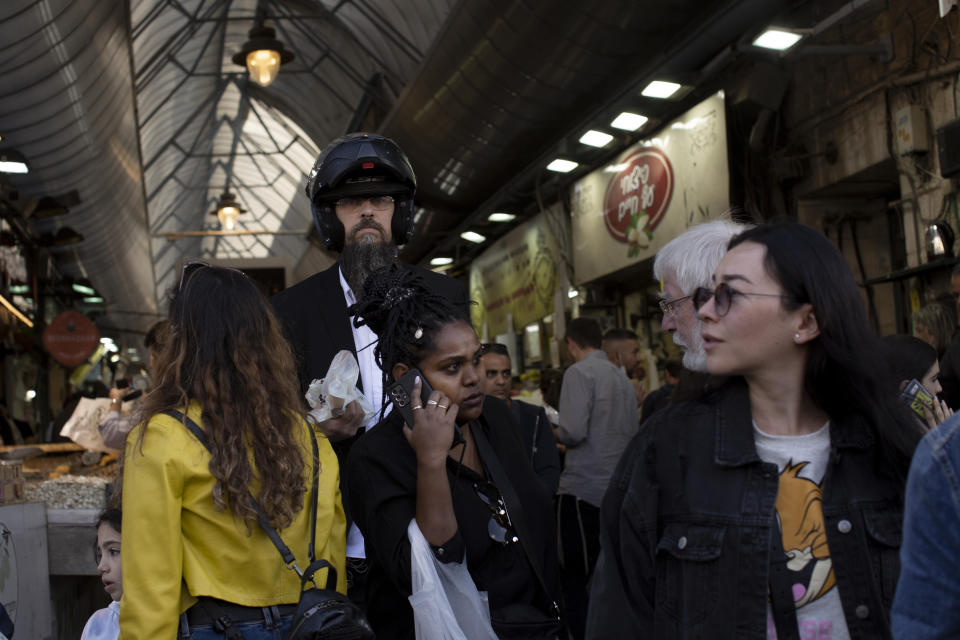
401 394
917 398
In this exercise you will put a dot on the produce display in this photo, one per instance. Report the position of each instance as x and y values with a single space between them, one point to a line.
62 476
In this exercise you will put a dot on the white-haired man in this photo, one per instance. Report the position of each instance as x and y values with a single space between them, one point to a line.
683 264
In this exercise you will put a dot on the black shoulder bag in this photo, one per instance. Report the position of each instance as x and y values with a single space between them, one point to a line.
322 613
549 628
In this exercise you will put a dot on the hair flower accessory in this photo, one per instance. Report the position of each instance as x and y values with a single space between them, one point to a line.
395 295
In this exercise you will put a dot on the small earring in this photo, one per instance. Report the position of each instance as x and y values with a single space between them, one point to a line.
796 337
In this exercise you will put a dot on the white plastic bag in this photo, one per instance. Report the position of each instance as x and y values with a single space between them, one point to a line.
337 389
82 427
445 601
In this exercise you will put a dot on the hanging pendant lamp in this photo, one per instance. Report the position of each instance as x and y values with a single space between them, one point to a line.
263 55
228 210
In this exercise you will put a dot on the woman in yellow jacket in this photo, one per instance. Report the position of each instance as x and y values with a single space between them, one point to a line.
193 550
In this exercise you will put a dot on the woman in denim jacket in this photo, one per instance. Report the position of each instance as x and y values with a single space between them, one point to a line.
771 506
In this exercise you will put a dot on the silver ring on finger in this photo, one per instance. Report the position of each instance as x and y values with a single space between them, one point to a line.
417 406
442 406
432 402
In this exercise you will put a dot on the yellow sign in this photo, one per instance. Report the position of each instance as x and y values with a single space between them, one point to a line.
517 275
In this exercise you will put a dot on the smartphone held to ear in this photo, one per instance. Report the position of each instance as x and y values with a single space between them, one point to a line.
401 394
917 398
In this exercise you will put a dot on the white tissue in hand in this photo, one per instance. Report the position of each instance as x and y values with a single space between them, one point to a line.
338 389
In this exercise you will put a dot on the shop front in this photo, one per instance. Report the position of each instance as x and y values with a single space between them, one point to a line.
623 214
520 287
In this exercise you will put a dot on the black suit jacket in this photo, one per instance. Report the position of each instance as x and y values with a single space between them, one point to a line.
536 432
315 321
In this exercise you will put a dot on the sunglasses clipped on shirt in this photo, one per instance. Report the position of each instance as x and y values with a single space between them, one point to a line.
723 295
499 527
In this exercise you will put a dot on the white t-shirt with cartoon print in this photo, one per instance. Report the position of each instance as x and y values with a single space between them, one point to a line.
802 462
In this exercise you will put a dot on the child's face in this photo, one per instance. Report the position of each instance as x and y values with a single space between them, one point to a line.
108 559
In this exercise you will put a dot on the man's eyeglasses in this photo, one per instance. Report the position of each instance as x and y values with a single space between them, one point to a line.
499 526
723 297
377 203
669 307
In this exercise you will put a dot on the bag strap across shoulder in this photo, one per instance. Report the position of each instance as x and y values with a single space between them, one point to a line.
514 508
781 592
288 558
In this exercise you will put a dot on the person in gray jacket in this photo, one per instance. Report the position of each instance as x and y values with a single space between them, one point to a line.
598 418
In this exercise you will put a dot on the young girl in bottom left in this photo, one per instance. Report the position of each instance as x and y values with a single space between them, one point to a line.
104 624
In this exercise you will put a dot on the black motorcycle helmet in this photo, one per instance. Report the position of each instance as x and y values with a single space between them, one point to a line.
361 164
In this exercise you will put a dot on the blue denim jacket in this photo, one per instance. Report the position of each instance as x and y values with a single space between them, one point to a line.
927 603
686 522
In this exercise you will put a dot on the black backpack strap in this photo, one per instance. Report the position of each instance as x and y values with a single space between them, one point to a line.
315 566
288 558
514 508
781 589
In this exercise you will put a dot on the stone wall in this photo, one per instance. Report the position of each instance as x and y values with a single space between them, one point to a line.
838 144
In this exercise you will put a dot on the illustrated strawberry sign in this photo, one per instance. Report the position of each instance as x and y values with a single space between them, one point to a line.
637 198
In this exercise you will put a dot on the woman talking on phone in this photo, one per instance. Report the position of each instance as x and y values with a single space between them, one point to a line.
911 359
772 505
475 498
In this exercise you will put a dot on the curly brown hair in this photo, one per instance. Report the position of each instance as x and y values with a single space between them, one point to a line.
224 349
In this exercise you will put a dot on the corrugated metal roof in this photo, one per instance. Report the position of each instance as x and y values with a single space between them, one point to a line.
67 103
139 107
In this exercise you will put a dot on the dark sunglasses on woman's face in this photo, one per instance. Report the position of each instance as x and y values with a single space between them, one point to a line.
723 296
499 527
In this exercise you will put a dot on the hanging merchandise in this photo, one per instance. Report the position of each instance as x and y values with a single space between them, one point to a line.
938 239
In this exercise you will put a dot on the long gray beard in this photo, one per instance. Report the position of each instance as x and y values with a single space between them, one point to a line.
360 259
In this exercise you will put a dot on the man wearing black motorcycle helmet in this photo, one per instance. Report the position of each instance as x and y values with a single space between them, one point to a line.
361 191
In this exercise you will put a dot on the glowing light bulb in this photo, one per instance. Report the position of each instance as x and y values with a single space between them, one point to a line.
263 65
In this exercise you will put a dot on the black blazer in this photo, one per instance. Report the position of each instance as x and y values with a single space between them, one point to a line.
315 321
536 432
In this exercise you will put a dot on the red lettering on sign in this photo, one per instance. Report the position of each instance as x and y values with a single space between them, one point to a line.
638 196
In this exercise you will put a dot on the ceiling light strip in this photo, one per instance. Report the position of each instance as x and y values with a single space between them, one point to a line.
660 89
